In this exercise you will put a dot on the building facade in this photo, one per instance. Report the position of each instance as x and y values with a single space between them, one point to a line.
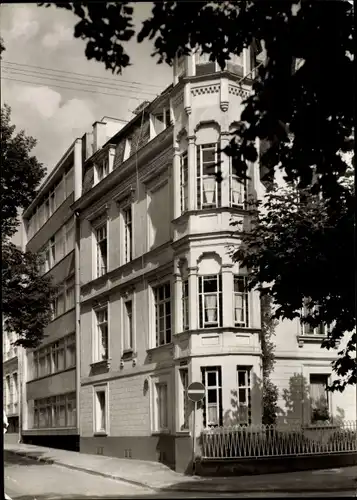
162 304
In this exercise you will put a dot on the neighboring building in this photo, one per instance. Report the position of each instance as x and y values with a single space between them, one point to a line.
11 385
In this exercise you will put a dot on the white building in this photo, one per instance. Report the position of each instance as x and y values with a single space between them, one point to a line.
162 303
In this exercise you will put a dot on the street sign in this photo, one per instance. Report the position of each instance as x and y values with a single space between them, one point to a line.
196 391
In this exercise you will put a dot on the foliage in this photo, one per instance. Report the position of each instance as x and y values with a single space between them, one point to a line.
270 391
320 411
26 300
303 122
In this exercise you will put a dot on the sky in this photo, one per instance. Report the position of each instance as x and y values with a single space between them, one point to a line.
42 52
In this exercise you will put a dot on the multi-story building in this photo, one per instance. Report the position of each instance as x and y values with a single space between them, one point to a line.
50 378
11 385
162 302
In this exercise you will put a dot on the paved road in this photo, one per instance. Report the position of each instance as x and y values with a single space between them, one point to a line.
26 479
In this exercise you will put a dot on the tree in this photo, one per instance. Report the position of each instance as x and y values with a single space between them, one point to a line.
303 121
26 301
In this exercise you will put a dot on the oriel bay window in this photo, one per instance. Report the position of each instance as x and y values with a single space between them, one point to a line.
212 409
208 189
237 189
162 295
240 301
210 301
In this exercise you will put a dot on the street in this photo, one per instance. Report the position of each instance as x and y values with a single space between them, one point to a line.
26 479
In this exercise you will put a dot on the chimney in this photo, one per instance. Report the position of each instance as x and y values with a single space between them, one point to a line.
99 135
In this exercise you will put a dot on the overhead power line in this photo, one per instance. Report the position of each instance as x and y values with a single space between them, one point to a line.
74 80
74 89
133 82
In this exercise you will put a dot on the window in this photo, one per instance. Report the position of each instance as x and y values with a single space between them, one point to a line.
127 148
70 296
71 350
185 305
52 251
58 356
16 390
128 326
212 411
244 409
56 411
237 189
236 64
101 237
210 301
47 209
102 169
8 392
128 234
163 314
70 236
58 302
69 182
208 189
42 362
52 200
184 399
241 311
100 410
203 65
319 397
71 410
184 181
307 329
102 335
161 405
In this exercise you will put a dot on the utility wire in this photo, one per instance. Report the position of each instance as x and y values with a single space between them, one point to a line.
83 74
18 72
73 89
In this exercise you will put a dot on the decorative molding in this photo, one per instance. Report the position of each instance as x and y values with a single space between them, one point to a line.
207 89
181 134
234 90
224 106
99 212
207 123
128 292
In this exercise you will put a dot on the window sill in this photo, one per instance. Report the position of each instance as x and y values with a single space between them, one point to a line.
310 339
105 363
162 431
128 355
100 434
211 211
183 433
162 347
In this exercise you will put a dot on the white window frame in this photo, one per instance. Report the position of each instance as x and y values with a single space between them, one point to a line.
217 370
97 337
129 337
102 169
246 387
209 179
244 299
242 194
128 249
101 263
128 148
184 181
184 408
201 298
185 304
97 429
157 303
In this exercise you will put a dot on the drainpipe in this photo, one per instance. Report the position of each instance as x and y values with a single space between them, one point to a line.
77 195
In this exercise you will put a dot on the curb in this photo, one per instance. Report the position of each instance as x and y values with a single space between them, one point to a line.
178 489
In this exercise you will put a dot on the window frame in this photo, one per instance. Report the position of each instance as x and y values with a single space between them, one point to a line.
184 181
201 177
128 326
185 283
202 324
205 370
327 394
97 358
184 408
101 259
233 177
306 329
97 430
128 239
247 387
165 302
245 300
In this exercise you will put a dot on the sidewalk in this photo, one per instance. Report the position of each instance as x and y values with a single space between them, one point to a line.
158 477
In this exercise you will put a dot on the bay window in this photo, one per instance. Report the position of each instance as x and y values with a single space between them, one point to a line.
210 301
208 189
212 410
237 189
185 305
163 314
203 64
184 181
241 306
